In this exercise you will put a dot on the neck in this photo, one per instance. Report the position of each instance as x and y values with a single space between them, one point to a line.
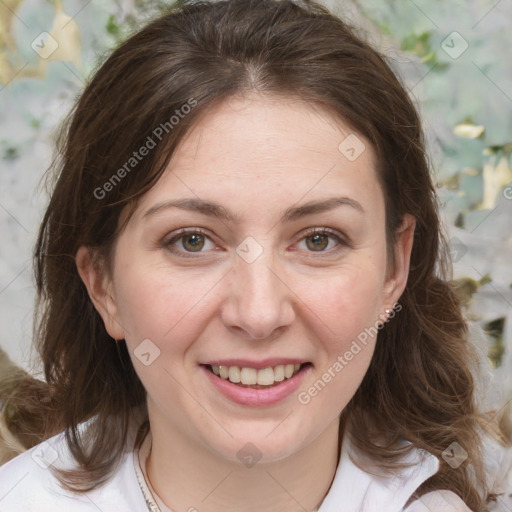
189 478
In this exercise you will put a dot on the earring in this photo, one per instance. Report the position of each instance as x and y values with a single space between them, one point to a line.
383 318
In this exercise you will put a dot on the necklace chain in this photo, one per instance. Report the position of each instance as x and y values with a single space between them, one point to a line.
146 491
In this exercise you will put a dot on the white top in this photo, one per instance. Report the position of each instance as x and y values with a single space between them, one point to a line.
26 484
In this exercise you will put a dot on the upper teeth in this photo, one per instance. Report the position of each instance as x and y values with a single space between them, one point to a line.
251 376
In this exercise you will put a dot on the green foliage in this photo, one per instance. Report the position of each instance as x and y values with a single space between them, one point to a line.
112 26
465 94
421 46
494 330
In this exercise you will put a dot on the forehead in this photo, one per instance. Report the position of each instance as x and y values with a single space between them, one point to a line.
262 146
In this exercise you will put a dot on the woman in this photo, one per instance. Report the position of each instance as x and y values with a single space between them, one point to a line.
243 284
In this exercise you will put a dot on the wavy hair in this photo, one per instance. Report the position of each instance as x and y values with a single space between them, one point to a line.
419 386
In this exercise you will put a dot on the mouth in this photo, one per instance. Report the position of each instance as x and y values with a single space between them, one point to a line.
253 378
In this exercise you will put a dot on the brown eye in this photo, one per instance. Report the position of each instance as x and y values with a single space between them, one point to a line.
323 241
317 242
193 242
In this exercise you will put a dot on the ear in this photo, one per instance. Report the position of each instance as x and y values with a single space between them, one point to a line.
100 289
397 277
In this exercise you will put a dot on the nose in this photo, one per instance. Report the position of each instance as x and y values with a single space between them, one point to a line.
259 302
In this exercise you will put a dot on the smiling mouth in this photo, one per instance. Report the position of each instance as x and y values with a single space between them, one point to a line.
257 379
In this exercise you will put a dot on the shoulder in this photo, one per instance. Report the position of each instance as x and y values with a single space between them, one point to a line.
360 484
28 483
440 501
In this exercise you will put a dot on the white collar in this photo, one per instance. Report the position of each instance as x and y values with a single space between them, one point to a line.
355 490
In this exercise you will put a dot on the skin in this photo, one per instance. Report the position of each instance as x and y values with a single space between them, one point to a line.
256 156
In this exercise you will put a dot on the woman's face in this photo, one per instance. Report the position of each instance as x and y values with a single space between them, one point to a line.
263 245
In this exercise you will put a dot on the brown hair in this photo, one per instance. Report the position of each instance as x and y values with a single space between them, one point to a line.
419 385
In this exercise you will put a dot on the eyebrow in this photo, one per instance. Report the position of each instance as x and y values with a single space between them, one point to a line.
291 214
313 207
195 205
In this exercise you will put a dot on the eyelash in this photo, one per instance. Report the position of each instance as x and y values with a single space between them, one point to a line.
341 241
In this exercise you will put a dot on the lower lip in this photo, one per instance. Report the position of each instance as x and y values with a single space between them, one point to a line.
256 397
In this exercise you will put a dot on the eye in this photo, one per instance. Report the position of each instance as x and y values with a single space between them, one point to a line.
190 241
322 240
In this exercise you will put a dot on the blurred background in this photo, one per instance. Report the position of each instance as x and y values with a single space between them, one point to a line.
454 58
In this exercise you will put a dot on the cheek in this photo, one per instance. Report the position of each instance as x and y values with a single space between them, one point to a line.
158 303
344 311
345 302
